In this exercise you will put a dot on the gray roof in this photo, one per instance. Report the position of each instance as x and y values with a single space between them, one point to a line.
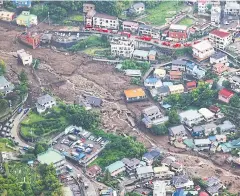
131 163
198 129
212 181
168 160
227 125
145 26
44 99
214 189
141 53
236 79
218 55
138 5
180 129
95 101
202 141
144 170
180 179
179 62
163 89
84 103
151 109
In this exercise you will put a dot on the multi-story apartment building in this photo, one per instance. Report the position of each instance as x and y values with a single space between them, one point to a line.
44 102
152 112
191 117
219 57
121 46
220 38
232 8
178 32
148 30
130 26
105 21
216 14
179 65
88 18
202 50
175 89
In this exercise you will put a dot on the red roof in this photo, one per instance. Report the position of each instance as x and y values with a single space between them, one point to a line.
203 194
191 84
220 33
209 81
226 93
214 108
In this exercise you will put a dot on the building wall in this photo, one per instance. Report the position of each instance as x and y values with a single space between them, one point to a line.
105 23
220 42
202 55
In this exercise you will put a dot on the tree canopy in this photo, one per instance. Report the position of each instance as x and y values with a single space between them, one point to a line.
2 67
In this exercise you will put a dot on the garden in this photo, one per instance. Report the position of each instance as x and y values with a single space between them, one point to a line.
187 22
159 14
6 144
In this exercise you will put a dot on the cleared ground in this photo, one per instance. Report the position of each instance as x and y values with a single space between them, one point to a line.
187 21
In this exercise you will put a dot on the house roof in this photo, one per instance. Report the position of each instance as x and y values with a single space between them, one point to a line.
232 5
178 27
98 15
206 113
50 156
44 99
212 181
236 79
214 108
160 71
220 33
203 194
175 73
189 143
209 81
130 23
198 129
218 55
115 166
191 84
181 179
226 93
130 163
138 92
190 115
202 141
145 26
167 84
138 5
95 101
26 16
179 62
176 165
141 53
151 109
203 45
160 169
152 52
177 130
144 170
236 143
168 160
190 65
163 89
94 169
151 80
179 192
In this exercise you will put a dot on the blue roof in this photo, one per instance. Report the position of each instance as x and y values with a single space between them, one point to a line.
179 192
167 83
190 65
148 156
155 153
212 138
151 80
115 166
236 143
166 106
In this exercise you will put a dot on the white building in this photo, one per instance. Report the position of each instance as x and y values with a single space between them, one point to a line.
5 86
24 57
202 50
6 16
220 38
216 14
176 89
130 26
163 172
122 46
145 172
138 8
105 21
232 8
140 54
207 114
191 117
202 6
202 144
45 102
159 188
219 57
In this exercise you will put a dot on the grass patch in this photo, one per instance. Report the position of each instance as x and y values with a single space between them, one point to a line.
159 14
77 18
186 21
95 51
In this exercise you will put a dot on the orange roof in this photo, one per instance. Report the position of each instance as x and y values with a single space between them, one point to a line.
175 73
138 92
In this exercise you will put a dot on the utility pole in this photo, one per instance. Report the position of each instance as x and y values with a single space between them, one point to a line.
48 19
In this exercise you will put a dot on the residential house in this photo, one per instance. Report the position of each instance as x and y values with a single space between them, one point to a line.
207 114
166 162
152 83
202 50
140 55
209 83
24 57
88 18
214 109
44 102
232 9
133 72
26 19
190 66
202 6
191 117
177 167
182 181
108 192
225 95
160 92
159 188
137 94
179 65
122 47
210 128
22 3
226 126
197 131
176 89
93 171
84 103
235 82
199 72
163 172
177 131
116 168
149 31
145 172
152 55
5 86
219 68
178 32
138 8
202 144
94 101
151 156
131 164
191 85
219 57
53 157
6 16
175 75
88 7
213 185
216 14
105 21
159 73
130 26
220 38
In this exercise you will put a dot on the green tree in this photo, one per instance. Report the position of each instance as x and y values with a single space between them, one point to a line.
23 77
209 7
3 105
218 130
159 129
133 194
235 101
173 117
40 147
226 84
2 67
